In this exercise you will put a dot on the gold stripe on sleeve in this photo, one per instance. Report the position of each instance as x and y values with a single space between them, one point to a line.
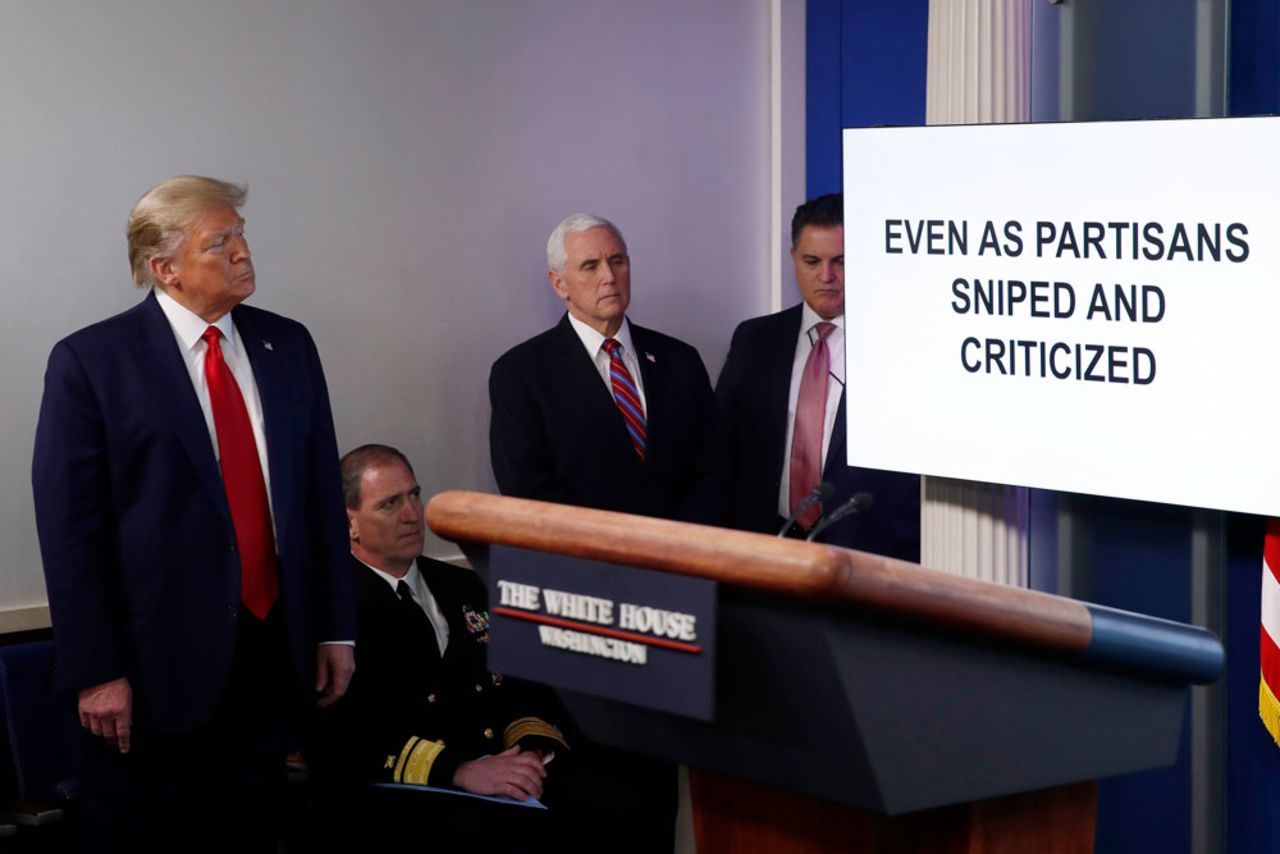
404 757
522 727
421 759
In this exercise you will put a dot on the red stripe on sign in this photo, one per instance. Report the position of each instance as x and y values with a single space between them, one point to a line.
598 630
1271 548
1270 660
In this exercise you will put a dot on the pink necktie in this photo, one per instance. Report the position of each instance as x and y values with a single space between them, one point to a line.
242 479
626 396
811 416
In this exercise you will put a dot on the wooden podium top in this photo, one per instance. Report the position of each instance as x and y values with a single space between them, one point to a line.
831 575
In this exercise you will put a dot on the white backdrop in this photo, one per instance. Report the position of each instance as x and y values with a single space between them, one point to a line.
1183 410
405 162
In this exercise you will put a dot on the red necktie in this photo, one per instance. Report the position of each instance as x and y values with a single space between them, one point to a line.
626 396
242 478
811 417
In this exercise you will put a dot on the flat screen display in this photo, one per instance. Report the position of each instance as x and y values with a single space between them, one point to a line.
1087 307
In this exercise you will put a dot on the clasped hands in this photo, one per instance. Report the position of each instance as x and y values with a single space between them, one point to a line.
514 772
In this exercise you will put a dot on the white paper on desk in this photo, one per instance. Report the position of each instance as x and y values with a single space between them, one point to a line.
532 803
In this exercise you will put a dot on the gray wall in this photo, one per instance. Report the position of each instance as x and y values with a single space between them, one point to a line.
406 161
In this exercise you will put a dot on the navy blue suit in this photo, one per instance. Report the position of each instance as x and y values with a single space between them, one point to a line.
751 398
135 532
143 576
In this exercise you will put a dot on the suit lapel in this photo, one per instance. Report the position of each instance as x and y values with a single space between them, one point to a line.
460 639
656 388
270 374
581 372
776 384
162 364
836 457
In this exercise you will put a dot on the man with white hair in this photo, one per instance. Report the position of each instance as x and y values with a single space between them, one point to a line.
598 411
192 527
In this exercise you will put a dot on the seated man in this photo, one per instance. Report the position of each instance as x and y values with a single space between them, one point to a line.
423 708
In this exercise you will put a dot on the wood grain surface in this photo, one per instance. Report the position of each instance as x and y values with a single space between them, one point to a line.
885 586
733 816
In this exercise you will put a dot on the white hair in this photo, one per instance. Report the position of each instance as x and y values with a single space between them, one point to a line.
557 256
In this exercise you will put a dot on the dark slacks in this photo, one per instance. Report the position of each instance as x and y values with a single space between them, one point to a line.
366 818
218 788
612 800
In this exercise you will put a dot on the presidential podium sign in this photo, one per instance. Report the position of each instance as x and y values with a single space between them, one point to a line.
827 733
613 631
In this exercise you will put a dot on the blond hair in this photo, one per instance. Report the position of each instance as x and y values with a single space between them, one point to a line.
159 220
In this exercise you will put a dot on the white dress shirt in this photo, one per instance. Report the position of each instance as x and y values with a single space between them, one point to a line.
594 342
422 598
835 387
188 328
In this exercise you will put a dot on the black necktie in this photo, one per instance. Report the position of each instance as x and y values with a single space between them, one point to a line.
418 618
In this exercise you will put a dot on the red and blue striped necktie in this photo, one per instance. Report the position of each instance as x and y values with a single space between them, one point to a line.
626 396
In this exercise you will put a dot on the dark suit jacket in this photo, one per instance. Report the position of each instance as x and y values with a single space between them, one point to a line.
751 397
139 552
404 693
556 433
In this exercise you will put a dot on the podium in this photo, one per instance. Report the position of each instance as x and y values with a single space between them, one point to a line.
864 703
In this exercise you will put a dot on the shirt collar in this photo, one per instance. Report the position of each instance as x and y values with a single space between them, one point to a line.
592 340
809 318
188 326
409 577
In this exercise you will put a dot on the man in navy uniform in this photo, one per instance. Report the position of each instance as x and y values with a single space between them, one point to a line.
423 709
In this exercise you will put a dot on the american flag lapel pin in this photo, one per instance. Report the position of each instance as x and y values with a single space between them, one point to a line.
649 356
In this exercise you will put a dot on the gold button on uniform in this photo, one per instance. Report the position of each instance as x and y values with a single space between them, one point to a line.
479 688
431 699
488 733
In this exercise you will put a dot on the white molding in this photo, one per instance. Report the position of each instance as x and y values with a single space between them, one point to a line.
24 619
787 134
775 155
979 72
979 62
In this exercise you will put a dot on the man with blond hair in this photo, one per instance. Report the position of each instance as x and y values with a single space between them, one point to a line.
191 524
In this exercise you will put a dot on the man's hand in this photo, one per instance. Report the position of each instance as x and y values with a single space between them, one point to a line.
335 662
511 773
106 710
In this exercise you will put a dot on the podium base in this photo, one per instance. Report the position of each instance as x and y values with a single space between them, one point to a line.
732 816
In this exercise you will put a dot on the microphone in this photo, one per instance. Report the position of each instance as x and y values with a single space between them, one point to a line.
859 503
821 492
